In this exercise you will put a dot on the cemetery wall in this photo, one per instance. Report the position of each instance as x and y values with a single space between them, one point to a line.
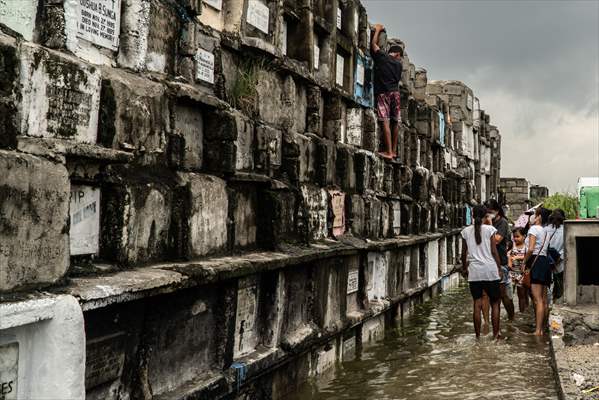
202 180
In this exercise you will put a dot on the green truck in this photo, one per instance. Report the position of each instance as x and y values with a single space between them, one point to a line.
588 197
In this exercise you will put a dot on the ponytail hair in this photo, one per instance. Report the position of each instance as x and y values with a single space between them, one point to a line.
557 218
479 213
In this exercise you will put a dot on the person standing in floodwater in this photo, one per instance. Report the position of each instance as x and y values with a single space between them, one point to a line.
516 267
480 262
502 238
537 262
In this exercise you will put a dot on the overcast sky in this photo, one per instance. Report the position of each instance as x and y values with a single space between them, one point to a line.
534 65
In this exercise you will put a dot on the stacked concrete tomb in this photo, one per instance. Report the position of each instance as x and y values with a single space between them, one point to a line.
192 198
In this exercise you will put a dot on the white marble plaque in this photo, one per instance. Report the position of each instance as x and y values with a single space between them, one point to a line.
339 71
356 21
469 101
19 15
216 4
339 14
9 368
360 74
204 66
85 220
316 56
284 38
354 126
352 281
258 15
99 21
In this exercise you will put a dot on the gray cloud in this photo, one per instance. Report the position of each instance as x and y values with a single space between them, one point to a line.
533 64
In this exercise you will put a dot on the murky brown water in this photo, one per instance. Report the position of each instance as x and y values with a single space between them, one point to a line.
435 355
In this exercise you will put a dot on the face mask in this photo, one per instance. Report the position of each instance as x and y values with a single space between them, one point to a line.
492 216
532 219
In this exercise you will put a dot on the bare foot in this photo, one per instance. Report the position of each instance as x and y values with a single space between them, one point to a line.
386 155
538 333
485 329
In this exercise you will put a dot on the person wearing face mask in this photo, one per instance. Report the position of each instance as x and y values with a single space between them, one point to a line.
502 238
536 260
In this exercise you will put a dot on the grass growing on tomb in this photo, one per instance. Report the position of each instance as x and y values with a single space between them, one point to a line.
243 94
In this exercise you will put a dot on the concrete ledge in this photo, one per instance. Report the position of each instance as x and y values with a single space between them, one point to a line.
26 312
103 290
50 146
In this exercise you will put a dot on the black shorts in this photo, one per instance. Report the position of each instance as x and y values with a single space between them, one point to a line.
541 273
491 288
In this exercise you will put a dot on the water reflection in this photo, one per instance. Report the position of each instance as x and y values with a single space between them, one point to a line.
435 355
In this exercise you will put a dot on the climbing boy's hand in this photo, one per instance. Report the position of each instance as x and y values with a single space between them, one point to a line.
378 27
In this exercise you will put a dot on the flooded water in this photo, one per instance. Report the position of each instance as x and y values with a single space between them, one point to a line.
435 355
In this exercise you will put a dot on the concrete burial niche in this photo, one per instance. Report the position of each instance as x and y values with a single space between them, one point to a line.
42 349
377 276
60 96
149 34
581 270
187 334
258 317
34 207
298 321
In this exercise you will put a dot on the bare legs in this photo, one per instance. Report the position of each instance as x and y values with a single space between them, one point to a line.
485 309
539 297
508 303
390 143
395 138
495 310
479 307
522 298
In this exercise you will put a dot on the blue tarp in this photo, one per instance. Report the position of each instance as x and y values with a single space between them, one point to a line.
363 81
468 215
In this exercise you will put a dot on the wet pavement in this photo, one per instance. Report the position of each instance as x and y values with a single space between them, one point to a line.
435 355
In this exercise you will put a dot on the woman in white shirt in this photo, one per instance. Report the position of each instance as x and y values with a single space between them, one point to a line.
536 258
480 261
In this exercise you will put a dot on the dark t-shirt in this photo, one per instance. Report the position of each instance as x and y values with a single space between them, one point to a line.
503 229
387 73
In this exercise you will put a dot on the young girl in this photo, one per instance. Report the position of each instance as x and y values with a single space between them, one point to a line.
516 267
480 261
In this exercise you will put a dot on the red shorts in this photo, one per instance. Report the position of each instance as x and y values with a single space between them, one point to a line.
387 106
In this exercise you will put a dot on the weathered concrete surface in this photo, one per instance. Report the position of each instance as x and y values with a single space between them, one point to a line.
575 348
581 280
34 212
49 339
124 286
206 224
235 238
134 115
60 96
136 216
